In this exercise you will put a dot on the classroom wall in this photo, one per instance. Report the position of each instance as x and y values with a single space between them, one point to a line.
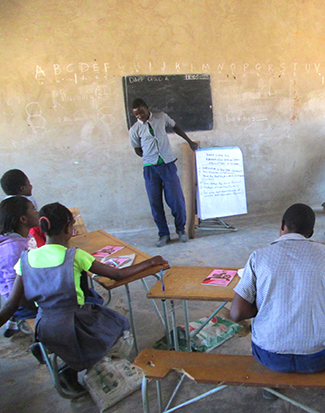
62 115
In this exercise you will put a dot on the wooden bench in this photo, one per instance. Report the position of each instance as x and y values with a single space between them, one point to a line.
222 370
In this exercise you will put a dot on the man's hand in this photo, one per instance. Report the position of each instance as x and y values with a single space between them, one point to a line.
193 145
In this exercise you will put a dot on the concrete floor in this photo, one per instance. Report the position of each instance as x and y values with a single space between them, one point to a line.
26 386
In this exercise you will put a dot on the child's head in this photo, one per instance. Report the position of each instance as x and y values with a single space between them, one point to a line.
300 219
17 212
15 182
53 218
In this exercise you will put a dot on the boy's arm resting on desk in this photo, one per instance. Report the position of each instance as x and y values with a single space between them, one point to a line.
12 303
120 274
177 129
241 309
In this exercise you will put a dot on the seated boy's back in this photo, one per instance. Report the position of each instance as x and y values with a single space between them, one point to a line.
283 290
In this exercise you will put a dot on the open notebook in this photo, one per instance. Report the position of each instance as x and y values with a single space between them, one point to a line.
119 262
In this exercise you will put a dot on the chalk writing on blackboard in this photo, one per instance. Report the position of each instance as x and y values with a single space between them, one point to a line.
186 98
221 182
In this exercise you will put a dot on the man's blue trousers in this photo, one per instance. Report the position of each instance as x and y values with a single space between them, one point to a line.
161 179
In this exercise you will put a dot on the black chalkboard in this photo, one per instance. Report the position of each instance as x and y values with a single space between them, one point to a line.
185 98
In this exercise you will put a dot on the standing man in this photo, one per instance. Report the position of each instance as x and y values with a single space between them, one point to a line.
283 290
150 141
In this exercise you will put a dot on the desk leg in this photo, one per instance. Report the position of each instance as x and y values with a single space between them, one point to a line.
159 396
145 395
154 304
109 297
164 308
91 282
194 333
172 306
180 381
187 327
128 295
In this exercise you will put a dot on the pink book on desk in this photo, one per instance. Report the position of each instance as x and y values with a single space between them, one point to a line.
106 251
220 278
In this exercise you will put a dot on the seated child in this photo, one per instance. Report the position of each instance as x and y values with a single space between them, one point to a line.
17 216
80 333
15 182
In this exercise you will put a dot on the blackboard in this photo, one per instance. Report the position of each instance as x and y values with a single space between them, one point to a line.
221 182
185 98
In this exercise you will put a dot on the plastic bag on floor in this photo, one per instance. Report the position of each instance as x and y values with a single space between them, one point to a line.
211 336
217 331
111 380
123 346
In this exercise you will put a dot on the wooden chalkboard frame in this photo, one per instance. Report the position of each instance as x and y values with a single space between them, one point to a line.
185 98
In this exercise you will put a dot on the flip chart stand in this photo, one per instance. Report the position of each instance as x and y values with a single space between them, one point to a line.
215 224
220 190
221 186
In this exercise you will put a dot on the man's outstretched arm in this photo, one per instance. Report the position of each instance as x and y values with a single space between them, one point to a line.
177 129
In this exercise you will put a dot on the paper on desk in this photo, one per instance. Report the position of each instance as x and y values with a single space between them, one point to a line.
106 251
240 272
121 261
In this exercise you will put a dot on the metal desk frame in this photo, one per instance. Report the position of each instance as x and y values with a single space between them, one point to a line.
184 283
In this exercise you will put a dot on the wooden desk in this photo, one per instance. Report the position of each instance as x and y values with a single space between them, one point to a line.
93 241
79 226
184 283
